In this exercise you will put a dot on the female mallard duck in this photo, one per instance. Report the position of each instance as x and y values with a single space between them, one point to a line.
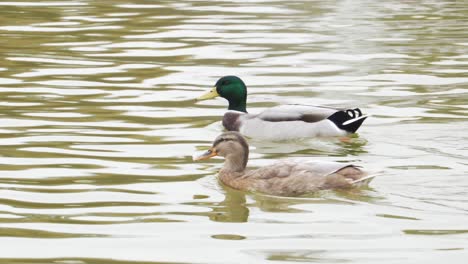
285 178
281 122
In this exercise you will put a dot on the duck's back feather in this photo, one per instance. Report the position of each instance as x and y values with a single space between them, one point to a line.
305 113
289 177
285 168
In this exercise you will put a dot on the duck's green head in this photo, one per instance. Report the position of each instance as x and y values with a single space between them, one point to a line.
233 89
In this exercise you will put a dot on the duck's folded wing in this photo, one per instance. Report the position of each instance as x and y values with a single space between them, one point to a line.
305 113
291 167
325 168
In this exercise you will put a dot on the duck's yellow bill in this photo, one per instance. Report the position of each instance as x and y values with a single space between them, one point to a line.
211 94
208 154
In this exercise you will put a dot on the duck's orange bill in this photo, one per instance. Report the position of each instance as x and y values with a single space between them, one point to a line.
208 154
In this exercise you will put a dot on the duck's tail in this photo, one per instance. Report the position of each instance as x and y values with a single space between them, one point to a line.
364 181
349 120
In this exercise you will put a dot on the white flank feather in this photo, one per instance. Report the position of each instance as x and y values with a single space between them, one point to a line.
257 128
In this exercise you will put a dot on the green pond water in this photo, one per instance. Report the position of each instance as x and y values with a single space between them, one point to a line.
98 124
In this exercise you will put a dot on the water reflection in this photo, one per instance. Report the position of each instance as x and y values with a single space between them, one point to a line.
303 256
232 209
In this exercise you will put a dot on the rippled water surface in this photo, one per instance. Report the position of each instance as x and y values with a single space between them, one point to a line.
98 125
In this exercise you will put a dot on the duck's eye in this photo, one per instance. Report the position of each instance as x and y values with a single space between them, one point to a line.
225 82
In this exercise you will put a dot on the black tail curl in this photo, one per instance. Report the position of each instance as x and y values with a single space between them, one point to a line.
354 116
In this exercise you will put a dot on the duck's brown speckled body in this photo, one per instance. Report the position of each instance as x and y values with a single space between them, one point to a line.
285 178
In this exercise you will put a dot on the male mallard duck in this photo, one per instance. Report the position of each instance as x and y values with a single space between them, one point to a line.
285 178
281 122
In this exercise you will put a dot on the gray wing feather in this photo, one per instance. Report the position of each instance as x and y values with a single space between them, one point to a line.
306 113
